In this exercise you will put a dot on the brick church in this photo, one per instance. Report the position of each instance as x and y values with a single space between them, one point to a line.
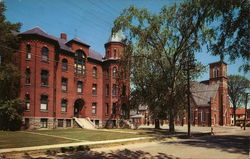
209 102
210 99
64 79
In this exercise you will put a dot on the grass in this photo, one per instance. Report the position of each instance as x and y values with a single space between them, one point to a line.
17 139
88 135
9 139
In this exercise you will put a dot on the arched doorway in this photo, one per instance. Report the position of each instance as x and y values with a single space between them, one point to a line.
124 110
78 105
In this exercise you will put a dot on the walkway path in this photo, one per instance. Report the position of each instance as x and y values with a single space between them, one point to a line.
70 144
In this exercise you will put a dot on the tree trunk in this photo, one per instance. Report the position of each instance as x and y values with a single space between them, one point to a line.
171 122
157 124
234 113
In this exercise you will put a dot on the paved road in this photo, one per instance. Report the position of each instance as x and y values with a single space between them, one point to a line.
228 143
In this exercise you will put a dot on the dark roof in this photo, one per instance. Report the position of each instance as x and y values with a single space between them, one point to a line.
39 31
95 55
202 93
78 41
62 43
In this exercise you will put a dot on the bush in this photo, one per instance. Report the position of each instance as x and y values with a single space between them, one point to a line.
11 114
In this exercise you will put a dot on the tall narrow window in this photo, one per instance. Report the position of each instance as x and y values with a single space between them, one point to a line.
94 89
64 84
114 91
94 73
107 109
94 108
27 76
80 62
107 90
123 90
203 116
28 51
27 102
64 104
44 78
79 87
114 109
45 54
114 72
115 53
44 102
107 73
64 65
216 72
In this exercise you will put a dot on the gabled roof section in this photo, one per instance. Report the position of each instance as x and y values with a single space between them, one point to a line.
202 93
78 41
95 55
39 31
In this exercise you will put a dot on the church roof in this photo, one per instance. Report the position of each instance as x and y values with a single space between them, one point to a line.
202 93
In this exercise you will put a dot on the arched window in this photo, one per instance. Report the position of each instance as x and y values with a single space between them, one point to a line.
114 72
28 51
64 65
80 62
94 74
216 72
45 54
64 104
27 76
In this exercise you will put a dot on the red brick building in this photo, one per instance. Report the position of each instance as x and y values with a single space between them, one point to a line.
63 79
210 99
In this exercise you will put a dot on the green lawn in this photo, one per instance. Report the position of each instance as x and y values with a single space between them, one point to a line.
88 135
10 139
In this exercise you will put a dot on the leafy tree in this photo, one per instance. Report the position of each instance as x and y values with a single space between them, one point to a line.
237 86
155 48
228 24
10 105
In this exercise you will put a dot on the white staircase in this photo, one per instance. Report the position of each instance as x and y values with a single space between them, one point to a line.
85 123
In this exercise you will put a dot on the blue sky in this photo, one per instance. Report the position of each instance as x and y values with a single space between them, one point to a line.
89 20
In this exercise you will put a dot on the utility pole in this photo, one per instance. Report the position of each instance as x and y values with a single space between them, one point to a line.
245 111
188 98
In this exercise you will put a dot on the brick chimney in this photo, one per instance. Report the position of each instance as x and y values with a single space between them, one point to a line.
64 36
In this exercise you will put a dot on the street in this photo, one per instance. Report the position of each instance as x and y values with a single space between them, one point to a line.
228 143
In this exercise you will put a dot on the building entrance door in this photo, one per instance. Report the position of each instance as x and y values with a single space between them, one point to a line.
78 105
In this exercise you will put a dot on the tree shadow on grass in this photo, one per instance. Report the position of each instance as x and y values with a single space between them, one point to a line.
119 154
228 143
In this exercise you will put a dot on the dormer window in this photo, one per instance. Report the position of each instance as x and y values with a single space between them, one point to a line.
80 62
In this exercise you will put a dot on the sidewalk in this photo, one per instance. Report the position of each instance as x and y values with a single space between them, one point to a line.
85 143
